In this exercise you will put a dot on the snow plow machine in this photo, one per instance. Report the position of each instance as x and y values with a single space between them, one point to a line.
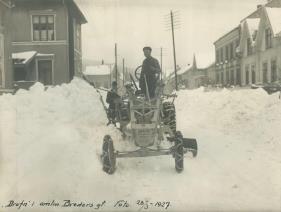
147 123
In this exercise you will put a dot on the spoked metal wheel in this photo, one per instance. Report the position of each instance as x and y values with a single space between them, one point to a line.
108 155
179 153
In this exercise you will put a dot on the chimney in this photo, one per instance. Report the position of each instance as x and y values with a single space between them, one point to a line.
259 6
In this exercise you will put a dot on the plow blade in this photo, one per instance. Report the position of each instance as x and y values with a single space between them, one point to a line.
191 145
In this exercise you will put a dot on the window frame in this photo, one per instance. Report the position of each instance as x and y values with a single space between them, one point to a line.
253 73
247 74
32 27
274 77
249 47
268 38
265 64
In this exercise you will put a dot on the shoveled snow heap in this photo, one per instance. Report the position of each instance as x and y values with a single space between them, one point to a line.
51 140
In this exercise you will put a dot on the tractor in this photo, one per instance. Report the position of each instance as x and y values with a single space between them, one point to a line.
147 122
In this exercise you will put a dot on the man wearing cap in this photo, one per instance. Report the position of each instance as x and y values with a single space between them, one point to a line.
149 72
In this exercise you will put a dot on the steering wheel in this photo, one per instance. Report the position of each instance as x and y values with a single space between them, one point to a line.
138 72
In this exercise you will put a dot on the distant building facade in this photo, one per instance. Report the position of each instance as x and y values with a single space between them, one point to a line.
47 35
193 77
100 75
227 64
261 47
251 52
6 73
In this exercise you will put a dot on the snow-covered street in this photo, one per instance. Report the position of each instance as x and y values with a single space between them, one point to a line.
51 141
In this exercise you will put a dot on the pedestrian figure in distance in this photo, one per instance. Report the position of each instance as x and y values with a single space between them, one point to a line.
149 74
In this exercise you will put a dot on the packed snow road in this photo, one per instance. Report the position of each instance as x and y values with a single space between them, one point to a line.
51 141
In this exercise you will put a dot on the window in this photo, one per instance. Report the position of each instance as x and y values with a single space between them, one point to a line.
217 78
227 77
222 78
273 71
247 74
249 47
238 76
231 50
217 56
226 53
43 27
268 38
221 54
264 71
77 36
232 77
253 70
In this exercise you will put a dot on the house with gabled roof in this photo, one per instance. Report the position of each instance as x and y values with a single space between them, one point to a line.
260 47
250 52
46 41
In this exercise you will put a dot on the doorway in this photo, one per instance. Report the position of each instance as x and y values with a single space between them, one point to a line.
45 71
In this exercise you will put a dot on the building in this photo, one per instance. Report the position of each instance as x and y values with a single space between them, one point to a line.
188 77
260 47
6 73
46 41
211 74
227 64
250 53
100 75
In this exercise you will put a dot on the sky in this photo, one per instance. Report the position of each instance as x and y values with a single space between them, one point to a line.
133 24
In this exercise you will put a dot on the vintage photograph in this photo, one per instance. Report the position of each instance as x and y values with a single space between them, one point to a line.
140 105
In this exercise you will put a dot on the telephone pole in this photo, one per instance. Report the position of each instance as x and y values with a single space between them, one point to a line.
123 71
174 49
116 68
173 24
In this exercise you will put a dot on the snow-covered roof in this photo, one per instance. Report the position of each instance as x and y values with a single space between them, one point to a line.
44 55
253 26
274 16
23 57
97 70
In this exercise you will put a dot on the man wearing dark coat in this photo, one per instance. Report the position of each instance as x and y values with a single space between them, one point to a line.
149 73
112 99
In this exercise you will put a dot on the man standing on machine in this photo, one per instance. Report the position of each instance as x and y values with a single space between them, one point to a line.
149 74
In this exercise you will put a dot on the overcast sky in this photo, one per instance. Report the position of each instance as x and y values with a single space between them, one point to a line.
133 24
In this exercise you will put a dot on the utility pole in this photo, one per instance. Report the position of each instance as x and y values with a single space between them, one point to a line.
123 71
110 69
116 68
174 49
161 59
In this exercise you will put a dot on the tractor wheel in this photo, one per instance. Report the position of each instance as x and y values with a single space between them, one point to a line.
169 115
179 152
108 155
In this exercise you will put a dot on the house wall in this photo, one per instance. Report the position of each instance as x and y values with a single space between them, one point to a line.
6 77
227 68
22 36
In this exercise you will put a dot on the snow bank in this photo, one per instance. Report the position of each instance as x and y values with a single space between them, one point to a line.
46 135
51 140
247 114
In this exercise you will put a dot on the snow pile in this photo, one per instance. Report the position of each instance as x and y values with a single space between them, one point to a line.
247 114
46 135
51 140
